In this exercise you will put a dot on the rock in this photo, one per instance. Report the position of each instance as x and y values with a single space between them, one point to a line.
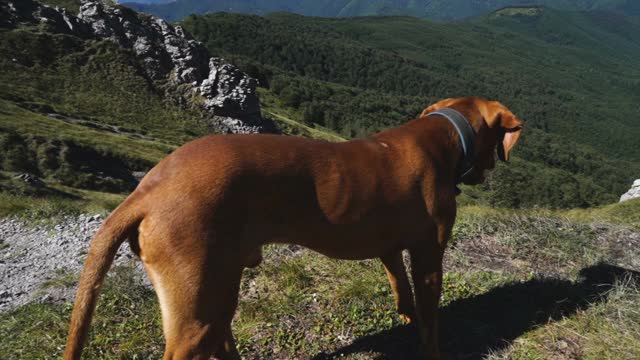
167 54
633 193
30 179
171 53
230 95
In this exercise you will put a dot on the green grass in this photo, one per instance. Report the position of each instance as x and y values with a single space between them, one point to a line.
338 307
63 279
278 289
627 212
42 145
609 329
126 325
73 6
299 304
18 120
548 241
39 208
519 11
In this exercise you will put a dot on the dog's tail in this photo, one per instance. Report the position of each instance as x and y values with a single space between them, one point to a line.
122 223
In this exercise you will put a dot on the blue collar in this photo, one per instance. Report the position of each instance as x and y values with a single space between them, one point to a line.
467 138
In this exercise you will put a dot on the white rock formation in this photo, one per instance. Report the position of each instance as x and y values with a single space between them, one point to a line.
633 193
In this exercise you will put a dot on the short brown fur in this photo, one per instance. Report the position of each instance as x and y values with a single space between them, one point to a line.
203 213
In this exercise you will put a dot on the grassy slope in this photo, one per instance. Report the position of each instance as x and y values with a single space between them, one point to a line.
110 121
290 121
93 80
61 198
19 120
543 272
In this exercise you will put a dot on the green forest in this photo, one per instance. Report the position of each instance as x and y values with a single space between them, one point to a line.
358 76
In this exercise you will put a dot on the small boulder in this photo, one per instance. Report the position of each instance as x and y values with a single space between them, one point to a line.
30 179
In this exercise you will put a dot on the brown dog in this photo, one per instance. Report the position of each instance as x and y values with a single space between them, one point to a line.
202 214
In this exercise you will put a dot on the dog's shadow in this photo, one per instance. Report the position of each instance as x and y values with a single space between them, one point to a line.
473 326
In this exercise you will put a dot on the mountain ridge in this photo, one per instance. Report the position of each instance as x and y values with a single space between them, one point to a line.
435 9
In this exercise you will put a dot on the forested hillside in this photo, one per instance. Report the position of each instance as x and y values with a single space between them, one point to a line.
433 9
573 77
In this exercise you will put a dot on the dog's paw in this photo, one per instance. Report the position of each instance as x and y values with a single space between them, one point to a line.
406 318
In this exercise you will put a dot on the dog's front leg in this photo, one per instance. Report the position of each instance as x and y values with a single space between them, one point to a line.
397 275
426 270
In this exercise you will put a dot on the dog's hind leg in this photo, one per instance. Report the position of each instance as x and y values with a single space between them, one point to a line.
397 275
197 287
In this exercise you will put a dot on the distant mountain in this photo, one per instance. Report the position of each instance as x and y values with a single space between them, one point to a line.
432 9
155 1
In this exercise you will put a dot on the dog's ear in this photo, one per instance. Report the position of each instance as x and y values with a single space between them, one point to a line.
509 126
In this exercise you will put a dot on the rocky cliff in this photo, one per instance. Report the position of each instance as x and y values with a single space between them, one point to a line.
173 61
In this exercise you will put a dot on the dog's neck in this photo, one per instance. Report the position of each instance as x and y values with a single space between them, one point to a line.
436 139
466 137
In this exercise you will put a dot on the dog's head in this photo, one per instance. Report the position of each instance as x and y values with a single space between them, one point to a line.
497 131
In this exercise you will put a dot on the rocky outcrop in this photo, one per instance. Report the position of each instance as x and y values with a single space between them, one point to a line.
58 20
168 55
633 193
228 89
165 51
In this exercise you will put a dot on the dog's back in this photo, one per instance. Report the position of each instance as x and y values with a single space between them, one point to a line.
293 190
